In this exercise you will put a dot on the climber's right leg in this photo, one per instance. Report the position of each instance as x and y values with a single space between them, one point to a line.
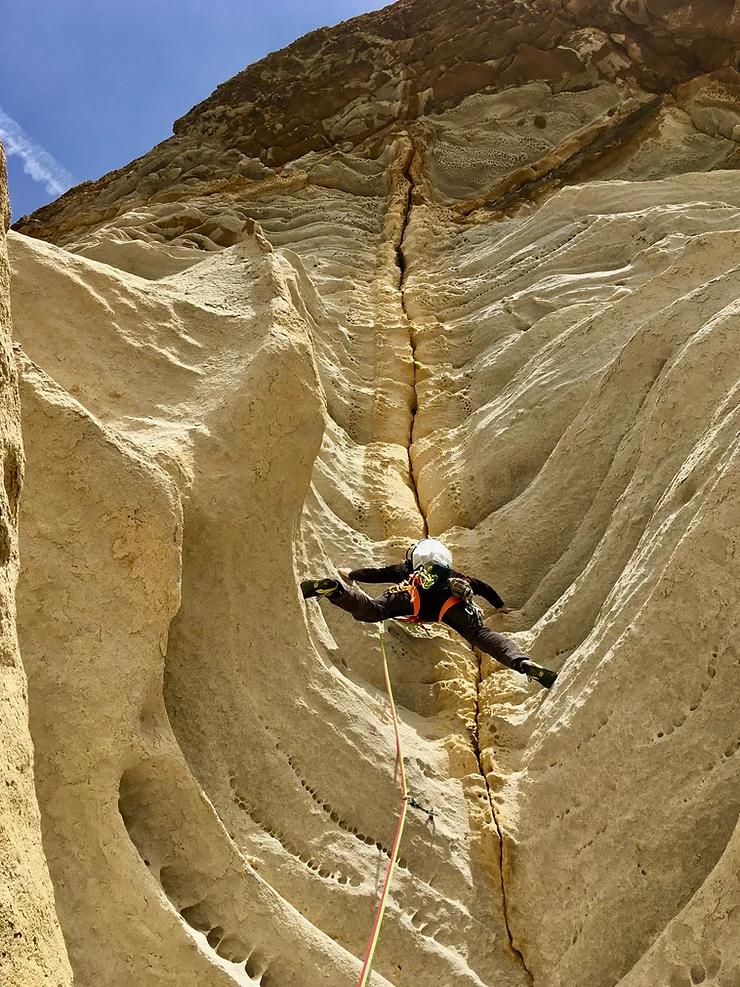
352 599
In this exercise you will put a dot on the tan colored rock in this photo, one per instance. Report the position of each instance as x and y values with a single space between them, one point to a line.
112 553
31 946
285 794
712 102
273 828
700 943
252 360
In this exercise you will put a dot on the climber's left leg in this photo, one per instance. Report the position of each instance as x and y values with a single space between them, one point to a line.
498 646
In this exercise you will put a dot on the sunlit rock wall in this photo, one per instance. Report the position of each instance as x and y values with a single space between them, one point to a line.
31 946
501 308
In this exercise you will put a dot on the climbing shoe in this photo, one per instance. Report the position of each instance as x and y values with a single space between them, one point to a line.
319 587
532 670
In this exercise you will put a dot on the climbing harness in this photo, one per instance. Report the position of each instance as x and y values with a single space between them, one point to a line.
406 801
420 579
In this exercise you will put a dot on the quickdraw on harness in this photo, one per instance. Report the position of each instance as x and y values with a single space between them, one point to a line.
424 578
406 801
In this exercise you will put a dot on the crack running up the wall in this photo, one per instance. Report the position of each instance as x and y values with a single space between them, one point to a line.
406 176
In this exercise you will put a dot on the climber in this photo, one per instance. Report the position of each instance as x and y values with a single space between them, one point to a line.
428 589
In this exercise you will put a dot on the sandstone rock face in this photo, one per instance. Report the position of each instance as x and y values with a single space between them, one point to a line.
31 946
462 269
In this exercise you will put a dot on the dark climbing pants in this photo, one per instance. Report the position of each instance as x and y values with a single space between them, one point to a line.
394 604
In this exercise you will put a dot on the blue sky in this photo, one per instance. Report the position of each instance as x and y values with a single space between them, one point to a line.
87 85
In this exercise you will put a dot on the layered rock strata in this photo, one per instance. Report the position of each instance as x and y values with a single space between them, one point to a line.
504 314
535 92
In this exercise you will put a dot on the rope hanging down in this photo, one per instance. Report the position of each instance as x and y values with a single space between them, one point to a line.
380 911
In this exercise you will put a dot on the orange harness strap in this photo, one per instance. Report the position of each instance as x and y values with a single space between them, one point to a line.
413 591
450 602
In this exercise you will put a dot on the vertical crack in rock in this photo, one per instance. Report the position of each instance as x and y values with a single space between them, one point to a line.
359 150
475 737
406 177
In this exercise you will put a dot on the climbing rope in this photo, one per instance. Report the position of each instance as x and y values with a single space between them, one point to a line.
405 801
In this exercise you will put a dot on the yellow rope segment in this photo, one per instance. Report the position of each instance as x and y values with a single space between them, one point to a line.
380 912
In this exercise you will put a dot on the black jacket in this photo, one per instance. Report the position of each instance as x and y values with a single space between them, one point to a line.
433 598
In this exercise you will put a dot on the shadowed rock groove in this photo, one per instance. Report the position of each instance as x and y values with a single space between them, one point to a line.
402 268
402 272
475 741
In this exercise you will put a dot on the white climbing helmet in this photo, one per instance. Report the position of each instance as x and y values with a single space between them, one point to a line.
429 551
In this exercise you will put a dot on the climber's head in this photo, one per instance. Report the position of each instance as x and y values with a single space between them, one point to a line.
429 551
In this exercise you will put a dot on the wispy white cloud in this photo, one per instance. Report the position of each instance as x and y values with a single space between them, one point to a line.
37 162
